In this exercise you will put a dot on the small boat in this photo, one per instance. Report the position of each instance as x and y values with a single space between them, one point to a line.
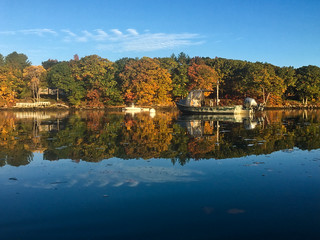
195 103
133 109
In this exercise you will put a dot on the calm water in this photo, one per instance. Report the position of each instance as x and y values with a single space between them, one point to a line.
96 175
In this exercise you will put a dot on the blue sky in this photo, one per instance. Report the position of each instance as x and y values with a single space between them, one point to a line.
281 32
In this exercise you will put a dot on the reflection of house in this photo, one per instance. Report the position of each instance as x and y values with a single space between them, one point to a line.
35 115
41 115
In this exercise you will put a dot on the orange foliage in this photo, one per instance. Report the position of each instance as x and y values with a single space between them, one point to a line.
145 82
7 94
93 97
202 77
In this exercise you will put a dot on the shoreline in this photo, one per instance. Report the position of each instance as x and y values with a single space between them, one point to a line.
119 108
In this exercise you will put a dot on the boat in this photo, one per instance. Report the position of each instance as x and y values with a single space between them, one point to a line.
196 103
133 109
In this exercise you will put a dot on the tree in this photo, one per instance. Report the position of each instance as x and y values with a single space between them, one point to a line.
1 60
179 74
261 80
17 60
308 83
35 76
202 76
145 82
7 88
76 57
288 74
60 77
49 63
168 63
97 76
183 58
120 66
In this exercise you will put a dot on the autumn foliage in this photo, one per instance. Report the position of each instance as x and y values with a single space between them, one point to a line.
146 83
202 77
96 82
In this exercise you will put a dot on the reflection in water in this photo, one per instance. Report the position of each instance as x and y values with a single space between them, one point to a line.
114 174
93 193
95 135
197 125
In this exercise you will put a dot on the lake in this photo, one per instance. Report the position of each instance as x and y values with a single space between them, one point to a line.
102 175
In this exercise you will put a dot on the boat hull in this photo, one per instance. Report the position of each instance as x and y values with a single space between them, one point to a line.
222 110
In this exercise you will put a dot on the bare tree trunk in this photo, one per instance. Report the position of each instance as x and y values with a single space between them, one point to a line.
38 94
218 93
267 98
33 94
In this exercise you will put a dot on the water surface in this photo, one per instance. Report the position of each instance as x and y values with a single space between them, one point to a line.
96 175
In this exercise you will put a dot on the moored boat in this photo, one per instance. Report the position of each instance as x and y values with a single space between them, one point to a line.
133 109
195 103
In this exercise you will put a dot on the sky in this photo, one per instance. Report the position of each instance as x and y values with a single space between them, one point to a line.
280 32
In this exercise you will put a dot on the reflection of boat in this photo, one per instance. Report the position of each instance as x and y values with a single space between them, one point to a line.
195 103
215 117
195 124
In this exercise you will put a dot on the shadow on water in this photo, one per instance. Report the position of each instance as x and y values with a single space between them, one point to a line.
96 135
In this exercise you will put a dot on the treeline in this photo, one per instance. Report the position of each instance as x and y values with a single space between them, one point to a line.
93 81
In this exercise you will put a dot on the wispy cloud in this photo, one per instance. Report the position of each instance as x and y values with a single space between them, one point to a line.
132 31
7 32
38 31
117 32
131 40
116 40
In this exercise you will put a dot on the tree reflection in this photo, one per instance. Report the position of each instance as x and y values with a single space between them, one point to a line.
96 135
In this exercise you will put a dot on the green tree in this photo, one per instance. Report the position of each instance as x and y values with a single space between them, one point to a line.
183 58
180 81
60 77
97 75
49 63
120 67
168 63
288 74
261 80
308 83
17 60
1 60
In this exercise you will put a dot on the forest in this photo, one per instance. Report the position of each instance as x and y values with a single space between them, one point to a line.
96 82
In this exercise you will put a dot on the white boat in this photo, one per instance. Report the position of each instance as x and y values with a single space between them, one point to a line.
133 109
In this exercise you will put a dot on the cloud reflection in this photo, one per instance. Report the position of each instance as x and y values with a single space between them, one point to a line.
119 174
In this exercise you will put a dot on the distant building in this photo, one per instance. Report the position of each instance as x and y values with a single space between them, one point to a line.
51 91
